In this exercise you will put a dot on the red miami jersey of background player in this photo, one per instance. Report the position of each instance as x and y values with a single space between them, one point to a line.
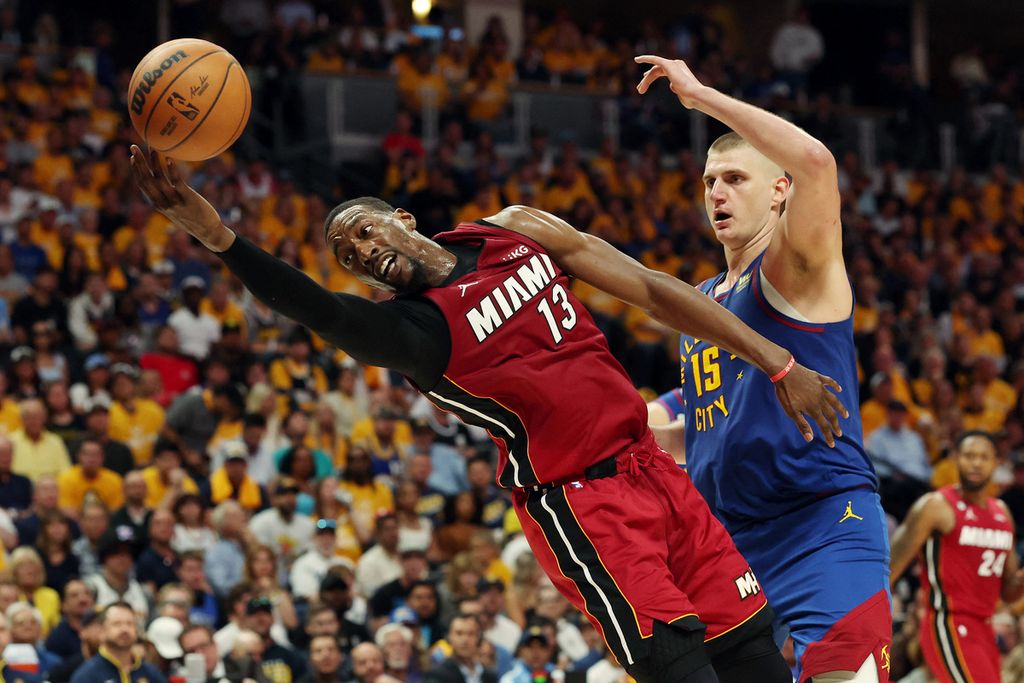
969 562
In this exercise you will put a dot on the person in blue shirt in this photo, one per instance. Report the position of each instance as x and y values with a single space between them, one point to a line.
115 661
533 658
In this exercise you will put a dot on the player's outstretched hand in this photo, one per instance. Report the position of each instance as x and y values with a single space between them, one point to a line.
161 182
803 392
680 79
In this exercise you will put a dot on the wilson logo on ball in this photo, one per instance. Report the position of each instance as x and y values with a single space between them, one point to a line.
151 77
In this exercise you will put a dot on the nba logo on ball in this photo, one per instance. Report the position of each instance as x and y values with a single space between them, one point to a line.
189 99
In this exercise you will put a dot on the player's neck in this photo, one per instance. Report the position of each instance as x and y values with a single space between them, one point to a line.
979 498
739 258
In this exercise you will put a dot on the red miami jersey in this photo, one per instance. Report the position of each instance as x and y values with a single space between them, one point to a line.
529 365
963 570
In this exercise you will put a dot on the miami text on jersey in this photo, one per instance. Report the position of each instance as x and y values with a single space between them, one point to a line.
507 298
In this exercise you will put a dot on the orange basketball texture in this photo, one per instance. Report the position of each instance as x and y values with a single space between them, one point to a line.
189 99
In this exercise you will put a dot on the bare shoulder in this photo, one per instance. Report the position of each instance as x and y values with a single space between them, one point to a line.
935 511
544 228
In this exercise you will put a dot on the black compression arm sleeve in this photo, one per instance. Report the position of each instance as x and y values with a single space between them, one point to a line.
407 335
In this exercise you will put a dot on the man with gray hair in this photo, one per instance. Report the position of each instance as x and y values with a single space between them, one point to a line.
37 452
26 627
396 642
225 560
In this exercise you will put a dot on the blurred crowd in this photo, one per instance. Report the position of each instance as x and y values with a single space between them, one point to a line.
171 443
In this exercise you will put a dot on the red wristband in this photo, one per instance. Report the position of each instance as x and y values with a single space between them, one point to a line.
784 371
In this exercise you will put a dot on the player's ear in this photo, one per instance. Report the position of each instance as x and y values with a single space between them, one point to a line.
780 190
407 218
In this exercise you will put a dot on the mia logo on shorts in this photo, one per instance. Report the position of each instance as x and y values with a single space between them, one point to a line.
747 585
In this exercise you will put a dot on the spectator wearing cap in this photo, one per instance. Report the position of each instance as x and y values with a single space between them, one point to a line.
260 464
116 455
395 593
162 646
233 350
165 478
465 637
533 658
15 489
380 564
96 384
89 478
37 452
134 421
26 624
387 436
430 502
197 331
225 559
349 609
371 497
43 302
94 304
237 604
204 416
279 664
311 567
91 637
289 535
447 472
231 480
93 521
498 628
299 382
24 373
114 582
900 458
65 640
115 659
155 565
178 372
135 512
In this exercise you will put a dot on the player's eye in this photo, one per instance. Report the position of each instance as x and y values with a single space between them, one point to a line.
365 231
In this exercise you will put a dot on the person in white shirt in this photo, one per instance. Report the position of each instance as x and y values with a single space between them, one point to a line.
380 564
310 569
796 48
288 534
113 583
197 331
498 628
92 305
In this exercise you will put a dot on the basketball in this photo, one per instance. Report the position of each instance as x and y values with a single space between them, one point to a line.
189 99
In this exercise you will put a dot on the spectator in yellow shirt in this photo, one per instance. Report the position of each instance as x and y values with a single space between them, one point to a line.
134 421
89 479
219 306
982 339
422 83
54 164
165 479
37 452
299 382
484 96
370 498
326 59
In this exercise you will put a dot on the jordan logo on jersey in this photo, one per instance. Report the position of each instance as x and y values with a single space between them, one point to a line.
506 299
849 513
463 288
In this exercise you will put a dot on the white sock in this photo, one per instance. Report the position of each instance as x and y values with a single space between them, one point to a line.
867 673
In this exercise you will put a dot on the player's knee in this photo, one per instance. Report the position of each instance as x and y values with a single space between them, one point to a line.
754 659
675 655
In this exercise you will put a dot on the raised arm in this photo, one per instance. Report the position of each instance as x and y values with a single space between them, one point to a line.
811 227
683 308
930 514
401 335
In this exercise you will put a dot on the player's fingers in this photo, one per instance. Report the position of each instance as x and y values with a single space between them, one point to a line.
804 426
174 181
832 384
837 405
140 177
833 420
650 76
159 180
650 59
824 427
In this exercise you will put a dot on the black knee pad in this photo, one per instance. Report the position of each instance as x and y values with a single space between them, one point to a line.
673 656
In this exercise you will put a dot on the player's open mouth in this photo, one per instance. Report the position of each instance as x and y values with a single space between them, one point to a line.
722 218
385 266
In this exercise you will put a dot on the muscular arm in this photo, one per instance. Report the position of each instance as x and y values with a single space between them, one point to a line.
408 336
679 306
811 226
931 513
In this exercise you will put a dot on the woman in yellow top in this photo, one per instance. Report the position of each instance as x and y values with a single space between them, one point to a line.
29 577
370 498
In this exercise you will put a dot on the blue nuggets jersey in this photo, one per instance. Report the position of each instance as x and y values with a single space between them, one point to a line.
744 454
